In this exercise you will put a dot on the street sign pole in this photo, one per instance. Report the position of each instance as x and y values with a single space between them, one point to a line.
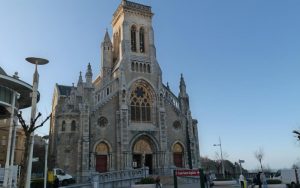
175 179
201 175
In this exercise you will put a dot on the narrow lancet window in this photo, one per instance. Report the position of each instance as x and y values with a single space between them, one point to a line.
142 40
133 38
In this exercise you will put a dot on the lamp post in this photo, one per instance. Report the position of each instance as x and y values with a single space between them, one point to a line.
36 62
46 158
241 168
220 144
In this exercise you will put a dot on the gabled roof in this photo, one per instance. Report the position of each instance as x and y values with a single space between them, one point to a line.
2 72
64 90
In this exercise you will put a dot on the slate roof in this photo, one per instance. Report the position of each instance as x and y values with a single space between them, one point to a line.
2 72
64 90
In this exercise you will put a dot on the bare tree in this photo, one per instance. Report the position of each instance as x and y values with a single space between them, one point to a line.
259 155
28 129
297 134
218 160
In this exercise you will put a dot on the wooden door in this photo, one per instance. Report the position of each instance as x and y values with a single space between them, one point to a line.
101 163
178 159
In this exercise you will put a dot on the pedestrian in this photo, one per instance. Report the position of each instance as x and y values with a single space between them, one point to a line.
157 181
242 179
56 182
205 177
258 179
263 180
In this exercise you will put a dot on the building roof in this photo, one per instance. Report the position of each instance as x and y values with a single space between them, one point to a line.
2 71
21 87
64 90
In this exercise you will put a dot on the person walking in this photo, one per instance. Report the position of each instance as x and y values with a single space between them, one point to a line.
242 179
258 179
263 180
157 181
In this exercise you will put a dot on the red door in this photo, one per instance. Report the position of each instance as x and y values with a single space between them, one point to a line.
101 163
178 159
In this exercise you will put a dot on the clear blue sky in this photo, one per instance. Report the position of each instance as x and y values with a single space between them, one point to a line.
240 60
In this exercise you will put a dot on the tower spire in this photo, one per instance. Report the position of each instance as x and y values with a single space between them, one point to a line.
182 86
106 37
79 79
183 96
89 75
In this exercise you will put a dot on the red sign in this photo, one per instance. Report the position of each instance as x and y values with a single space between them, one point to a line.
187 172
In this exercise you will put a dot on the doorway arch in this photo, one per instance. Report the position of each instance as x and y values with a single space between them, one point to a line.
143 150
178 151
102 157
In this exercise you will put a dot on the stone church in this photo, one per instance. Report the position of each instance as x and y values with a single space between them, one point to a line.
125 117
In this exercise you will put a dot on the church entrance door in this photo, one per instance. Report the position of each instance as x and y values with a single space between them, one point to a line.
178 155
137 160
101 163
178 159
148 162
102 157
143 154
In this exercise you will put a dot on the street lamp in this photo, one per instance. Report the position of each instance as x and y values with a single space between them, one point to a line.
241 168
36 62
46 158
220 144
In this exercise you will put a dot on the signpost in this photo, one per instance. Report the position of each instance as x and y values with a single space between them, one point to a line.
189 172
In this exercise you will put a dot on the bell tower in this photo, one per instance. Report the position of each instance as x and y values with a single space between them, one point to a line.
132 31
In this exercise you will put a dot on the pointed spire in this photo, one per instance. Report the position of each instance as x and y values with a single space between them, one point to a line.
168 87
89 67
80 79
89 70
89 75
106 37
182 86
182 80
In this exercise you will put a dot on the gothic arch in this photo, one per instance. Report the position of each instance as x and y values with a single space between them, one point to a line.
133 32
102 156
150 138
142 39
73 125
144 149
63 126
178 154
142 101
102 141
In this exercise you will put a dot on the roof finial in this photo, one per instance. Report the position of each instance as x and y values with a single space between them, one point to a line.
80 78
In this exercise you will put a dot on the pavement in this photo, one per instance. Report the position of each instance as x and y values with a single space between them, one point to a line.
222 185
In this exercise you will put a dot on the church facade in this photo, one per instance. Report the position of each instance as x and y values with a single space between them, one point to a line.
125 117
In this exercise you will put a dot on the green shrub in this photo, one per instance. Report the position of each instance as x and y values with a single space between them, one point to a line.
270 181
38 183
147 180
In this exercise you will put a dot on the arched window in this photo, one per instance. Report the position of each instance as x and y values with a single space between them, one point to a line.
63 126
140 106
73 126
142 40
133 38
148 69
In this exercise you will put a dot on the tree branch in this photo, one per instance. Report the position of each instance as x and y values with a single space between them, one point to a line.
42 122
21 120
